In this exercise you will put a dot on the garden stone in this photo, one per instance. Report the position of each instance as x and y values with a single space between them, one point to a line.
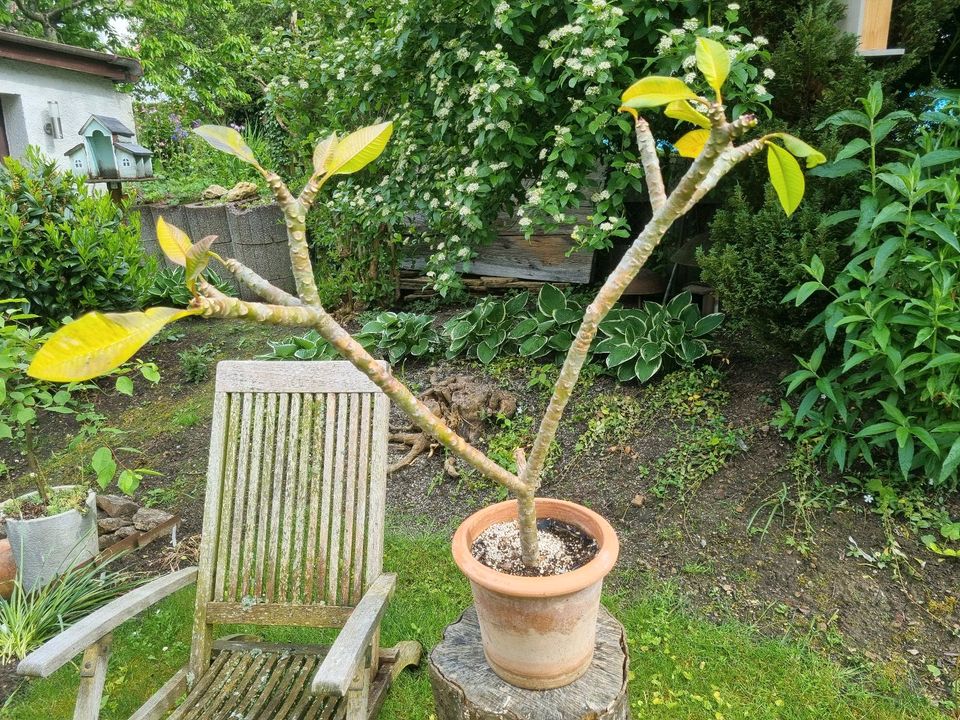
107 540
117 506
214 192
149 518
108 525
241 191
125 532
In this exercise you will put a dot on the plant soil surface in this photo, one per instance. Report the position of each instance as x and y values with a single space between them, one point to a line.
722 526
563 547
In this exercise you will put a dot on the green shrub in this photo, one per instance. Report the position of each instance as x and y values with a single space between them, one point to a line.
63 248
195 362
484 331
399 335
881 387
756 256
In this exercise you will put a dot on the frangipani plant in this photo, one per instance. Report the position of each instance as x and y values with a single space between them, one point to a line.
98 342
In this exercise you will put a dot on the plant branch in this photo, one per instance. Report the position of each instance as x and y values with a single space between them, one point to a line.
262 287
215 304
677 203
651 163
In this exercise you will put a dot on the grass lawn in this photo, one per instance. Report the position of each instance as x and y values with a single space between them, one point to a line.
682 667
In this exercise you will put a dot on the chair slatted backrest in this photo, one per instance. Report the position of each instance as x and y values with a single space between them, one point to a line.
296 485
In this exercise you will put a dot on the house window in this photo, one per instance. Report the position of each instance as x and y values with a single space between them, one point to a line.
126 162
78 164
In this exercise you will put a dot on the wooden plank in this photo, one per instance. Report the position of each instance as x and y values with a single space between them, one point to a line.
360 521
376 505
158 704
875 28
543 257
314 483
339 667
200 684
286 530
206 702
349 503
294 669
220 561
292 376
302 507
277 673
202 635
266 495
255 690
240 490
59 650
336 505
254 494
276 503
326 496
93 675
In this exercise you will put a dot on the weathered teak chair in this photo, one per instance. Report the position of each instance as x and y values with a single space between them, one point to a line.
293 536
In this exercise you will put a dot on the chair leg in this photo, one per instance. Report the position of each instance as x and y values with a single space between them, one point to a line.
359 695
407 654
93 675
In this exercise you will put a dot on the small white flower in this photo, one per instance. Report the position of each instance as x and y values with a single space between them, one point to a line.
689 61
868 498
465 210
690 78
376 70
733 6
303 84
473 187
761 40
715 29
734 39
606 226
759 89
691 24
571 186
525 222
769 74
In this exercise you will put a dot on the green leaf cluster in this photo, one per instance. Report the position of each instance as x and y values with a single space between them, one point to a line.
881 388
64 249
400 335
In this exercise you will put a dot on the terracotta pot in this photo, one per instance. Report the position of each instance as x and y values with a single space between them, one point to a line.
8 569
538 632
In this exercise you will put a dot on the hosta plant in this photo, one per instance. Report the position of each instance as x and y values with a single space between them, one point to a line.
400 335
638 343
484 331
98 342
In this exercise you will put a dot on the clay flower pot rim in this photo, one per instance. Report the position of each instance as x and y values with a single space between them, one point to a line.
537 587
34 493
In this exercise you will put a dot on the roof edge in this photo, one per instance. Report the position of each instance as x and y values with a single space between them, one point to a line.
118 68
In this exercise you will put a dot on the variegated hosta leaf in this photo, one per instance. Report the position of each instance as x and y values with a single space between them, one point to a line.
173 241
322 153
682 110
198 257
654 91
227 140
97 343
358 149
691 144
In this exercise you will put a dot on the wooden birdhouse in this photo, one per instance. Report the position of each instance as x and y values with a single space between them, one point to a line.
869 20
109 151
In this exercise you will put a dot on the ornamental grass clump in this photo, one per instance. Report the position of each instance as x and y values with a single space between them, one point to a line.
98 342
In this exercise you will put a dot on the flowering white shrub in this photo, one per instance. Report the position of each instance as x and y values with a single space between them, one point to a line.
499 107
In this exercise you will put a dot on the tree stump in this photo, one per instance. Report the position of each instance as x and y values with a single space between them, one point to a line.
465 688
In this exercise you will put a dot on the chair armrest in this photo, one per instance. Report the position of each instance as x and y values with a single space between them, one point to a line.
340 666
59 650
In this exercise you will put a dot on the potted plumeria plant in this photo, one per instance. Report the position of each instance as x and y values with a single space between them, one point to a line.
536 565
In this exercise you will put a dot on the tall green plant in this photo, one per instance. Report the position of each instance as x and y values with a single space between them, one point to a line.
882 385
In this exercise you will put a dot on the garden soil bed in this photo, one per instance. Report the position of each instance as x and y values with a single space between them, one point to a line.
832 587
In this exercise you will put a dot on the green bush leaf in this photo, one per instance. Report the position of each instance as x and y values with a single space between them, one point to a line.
714 62
786 177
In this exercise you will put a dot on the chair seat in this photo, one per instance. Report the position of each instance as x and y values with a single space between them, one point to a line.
260 683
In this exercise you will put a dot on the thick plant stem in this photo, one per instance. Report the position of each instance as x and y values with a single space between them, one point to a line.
651 164
675 206
262 287
215 304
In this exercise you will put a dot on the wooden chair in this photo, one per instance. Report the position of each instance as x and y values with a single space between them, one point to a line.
292 536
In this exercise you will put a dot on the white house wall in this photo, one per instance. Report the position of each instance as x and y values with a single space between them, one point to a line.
25 89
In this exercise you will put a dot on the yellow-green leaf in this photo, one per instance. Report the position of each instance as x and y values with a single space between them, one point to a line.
227 140
656 90
786 176
198 257
97 343
322 153
359 148
799 148
691 144
714 63
682 110
173 241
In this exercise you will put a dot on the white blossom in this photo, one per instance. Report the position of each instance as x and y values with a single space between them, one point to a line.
376 69
691 24
761 40
733 6
759 89
689 61
525 222
690 78
769 74
571 186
